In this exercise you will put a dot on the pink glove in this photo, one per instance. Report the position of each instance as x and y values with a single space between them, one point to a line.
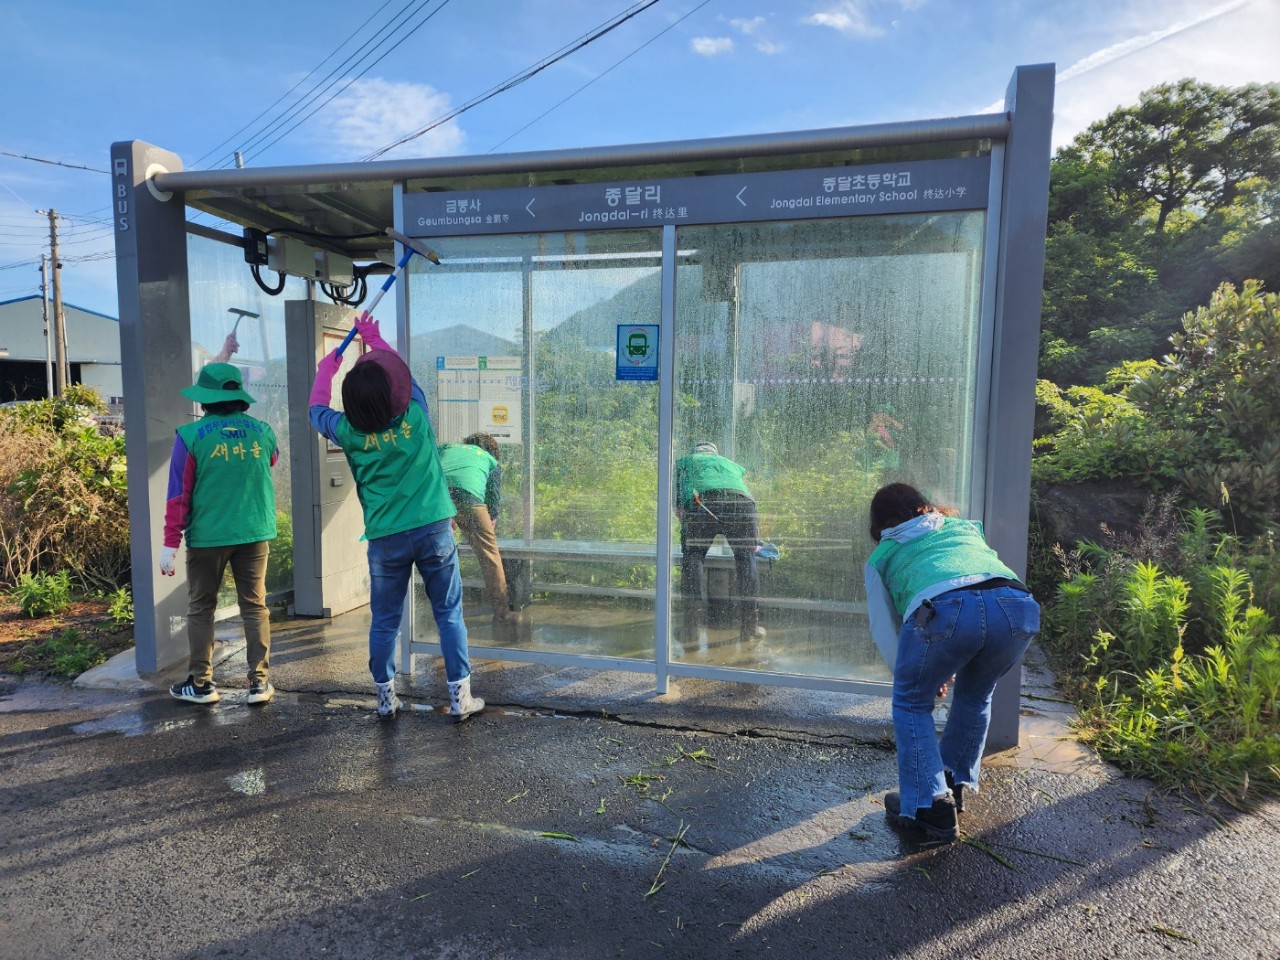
229 347
326 370
367 327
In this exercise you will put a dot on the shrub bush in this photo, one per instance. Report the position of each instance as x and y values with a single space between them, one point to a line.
1201 421
1175 665
63 497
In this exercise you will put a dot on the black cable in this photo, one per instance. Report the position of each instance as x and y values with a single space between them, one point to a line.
586 39
598 76
257 275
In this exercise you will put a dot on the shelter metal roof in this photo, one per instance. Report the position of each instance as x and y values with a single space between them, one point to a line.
346 207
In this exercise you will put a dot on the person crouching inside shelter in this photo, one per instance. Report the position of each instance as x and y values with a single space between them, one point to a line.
222 498
408 516
941 604
474 478
712 498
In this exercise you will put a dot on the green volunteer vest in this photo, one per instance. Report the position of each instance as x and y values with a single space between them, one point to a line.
398 476
467 468
700 472
233 499
956 549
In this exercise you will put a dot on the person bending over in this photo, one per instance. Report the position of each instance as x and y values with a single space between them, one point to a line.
941 605
474 478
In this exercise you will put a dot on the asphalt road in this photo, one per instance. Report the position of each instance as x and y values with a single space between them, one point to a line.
137 827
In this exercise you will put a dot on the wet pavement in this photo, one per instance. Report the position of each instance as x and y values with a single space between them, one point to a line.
580 816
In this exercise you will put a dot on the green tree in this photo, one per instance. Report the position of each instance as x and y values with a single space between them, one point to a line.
1150 210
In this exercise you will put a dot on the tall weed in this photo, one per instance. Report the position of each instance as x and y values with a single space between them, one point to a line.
1176 665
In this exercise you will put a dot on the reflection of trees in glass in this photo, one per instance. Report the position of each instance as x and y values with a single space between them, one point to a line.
596 455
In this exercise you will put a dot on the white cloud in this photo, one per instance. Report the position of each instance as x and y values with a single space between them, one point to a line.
853 17
712 46
753 28
1206 45
848 17
1134 45
372 113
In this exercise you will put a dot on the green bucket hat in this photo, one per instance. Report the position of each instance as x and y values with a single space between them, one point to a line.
218 383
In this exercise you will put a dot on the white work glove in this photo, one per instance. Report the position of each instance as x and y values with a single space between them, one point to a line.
167 557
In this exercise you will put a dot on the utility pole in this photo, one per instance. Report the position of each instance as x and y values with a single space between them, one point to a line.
59 321
48 343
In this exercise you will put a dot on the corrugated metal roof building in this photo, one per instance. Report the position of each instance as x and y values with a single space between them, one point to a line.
93 351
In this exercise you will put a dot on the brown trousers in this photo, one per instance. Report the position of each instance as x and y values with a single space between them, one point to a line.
474 522
205 568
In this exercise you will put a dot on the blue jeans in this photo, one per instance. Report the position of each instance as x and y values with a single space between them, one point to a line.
976 636
392 558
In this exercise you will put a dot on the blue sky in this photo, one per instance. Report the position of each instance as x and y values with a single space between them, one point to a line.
204 79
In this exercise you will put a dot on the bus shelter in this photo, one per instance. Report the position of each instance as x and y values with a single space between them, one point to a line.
832 309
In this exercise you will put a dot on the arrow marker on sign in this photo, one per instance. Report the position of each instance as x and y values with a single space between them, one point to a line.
527 207
739 194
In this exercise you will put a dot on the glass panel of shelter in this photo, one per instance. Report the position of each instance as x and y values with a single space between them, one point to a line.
826 357
225 299
514 336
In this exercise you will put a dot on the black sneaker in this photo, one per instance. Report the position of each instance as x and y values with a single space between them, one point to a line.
938 822
260 691
957 792
193 692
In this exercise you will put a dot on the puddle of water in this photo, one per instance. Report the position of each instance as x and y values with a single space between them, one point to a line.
33 697
252 783
130 723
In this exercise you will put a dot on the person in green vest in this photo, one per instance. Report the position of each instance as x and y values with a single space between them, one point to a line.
712 498
941 604
474 477
222 499
408 515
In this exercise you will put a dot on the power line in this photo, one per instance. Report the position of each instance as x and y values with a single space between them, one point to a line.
344 87
20 263
56 163
351 36
520 78
599 76
366 49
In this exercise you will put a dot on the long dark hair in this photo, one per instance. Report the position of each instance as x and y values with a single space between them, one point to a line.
366 398
897 503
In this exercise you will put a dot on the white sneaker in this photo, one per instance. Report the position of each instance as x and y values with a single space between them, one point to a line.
260 692
461 703
388 702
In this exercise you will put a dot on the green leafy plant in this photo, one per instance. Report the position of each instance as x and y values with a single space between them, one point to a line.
69 654
120 608
1174 664
42 594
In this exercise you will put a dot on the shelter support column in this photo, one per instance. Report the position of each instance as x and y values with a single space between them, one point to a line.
1019 291
155 353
